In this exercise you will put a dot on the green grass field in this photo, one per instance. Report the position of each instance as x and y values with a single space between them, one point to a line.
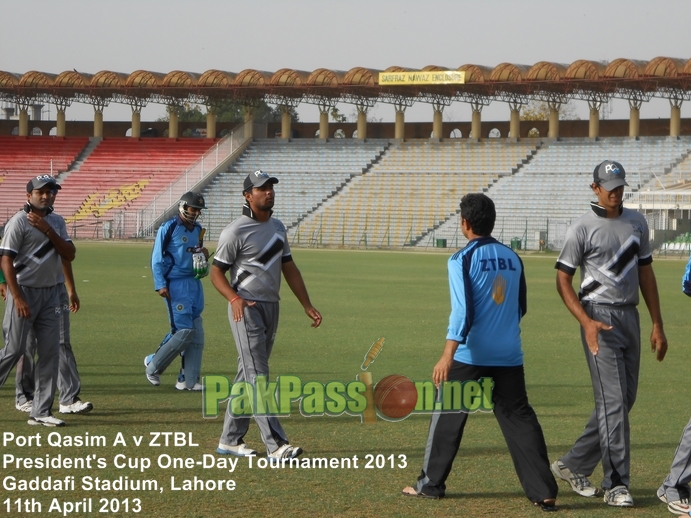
362 296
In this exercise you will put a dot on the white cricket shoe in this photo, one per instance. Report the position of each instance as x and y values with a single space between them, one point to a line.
679 506
285 452
77 407
618 496
180 385
579 483
154 379
239 450
676 506
24 407
48 420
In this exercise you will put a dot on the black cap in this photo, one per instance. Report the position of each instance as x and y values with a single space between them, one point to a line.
42 181
257 179
610 175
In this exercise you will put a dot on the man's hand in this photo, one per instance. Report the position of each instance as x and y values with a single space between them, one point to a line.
37 221
658 342
163 292
3 291
441 370
22 307
314 314
592 330
648 283
440 374
238 306
200 265
74 302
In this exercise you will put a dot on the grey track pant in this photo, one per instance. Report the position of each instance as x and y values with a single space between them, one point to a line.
69 385
676 485
254 338
45 323
614 375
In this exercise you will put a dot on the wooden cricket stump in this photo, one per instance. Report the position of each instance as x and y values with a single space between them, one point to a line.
369 416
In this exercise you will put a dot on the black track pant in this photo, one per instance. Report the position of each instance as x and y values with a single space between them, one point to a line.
518 423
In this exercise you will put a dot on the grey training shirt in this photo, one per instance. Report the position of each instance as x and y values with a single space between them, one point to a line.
608 252
36 262
254 252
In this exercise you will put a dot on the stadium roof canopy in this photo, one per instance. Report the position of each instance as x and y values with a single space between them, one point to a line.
664 77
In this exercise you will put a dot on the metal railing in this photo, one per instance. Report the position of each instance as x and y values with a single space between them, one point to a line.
520 233
146 217
658 199
669 236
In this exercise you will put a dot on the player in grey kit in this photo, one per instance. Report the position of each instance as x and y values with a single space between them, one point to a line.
610 244
675 490
255 249
34 244
69 383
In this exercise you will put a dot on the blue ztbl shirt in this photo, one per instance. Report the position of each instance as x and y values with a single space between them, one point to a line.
488 300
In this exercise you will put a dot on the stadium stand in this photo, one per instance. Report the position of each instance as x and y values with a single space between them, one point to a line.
346 192
309 172
24 157
555 184
415 186
123 173
680 175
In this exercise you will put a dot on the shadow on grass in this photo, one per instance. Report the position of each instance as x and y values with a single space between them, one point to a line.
644 498
571 502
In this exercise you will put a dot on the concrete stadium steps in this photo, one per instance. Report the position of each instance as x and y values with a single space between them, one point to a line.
488 156
388 209
642 158
275 156
556 183
679 176
414 188
309 173
22 158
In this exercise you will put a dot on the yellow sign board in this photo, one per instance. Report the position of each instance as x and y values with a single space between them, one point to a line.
419 77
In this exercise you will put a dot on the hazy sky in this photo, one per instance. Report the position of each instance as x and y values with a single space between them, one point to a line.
165 35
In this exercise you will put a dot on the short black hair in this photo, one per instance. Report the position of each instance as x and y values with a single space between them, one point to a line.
478 210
